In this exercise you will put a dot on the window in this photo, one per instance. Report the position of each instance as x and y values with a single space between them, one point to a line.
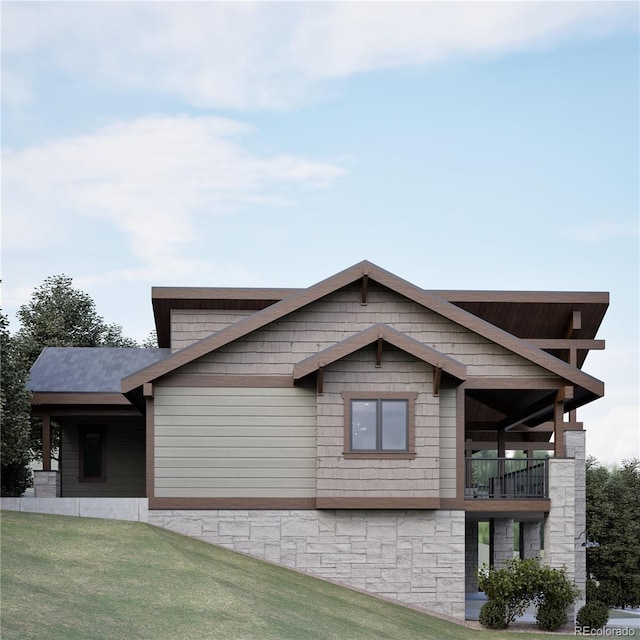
92 448
379 425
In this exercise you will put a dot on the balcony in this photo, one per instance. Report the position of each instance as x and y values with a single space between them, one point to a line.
506 478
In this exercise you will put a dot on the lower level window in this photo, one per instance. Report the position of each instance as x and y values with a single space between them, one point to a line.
379 425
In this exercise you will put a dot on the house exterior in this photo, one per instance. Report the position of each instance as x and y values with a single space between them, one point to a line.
357 430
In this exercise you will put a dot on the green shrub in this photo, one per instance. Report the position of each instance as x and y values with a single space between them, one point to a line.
511 589
593 615
493 615
551 617
555 593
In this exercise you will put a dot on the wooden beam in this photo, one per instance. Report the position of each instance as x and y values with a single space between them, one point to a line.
575 323
558 431
379 352
567 343
147 390
437 376
365 286
46 442
527 413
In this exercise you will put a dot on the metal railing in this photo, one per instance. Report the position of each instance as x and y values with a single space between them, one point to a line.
506 478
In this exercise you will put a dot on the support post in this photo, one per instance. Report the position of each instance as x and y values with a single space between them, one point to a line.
46 442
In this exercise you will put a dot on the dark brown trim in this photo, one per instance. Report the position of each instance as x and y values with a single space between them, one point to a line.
46 442
212 380
427 299
365 286
514 383
232 503
375 455
410 397
575 324
64 410
437 377
572 343
502 506
221 293
453 504
38 398
553 297
460 438
377 503
150 447
369 336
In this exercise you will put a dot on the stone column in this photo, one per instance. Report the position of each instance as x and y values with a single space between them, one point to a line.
502 532
575 448
46 484
471 556
530 539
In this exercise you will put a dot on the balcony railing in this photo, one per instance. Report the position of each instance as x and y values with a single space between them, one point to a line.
506 478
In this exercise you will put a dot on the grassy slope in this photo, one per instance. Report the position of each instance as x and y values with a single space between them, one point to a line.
82 578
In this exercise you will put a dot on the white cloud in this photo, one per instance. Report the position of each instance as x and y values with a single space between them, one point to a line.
277 55
151 178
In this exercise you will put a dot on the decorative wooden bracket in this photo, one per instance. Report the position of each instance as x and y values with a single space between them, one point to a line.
379 353
437 376
320 380
147 390
365 286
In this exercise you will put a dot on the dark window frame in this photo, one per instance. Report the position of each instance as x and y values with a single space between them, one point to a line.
376 396
82 433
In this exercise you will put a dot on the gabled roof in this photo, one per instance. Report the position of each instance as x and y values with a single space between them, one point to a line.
88 369
372 334
304 297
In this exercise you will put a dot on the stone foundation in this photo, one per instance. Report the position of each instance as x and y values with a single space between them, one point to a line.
414 557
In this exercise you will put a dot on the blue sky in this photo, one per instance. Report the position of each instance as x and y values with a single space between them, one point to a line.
459 145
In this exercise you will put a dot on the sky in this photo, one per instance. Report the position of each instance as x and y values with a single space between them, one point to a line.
459 145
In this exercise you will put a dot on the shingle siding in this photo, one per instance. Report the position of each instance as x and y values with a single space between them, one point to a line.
277 347
190 325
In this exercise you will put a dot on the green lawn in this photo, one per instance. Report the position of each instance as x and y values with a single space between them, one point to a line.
88 579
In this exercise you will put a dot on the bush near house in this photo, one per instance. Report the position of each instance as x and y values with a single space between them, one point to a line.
593 615
522 582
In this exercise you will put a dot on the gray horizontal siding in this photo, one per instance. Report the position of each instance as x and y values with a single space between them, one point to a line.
234 442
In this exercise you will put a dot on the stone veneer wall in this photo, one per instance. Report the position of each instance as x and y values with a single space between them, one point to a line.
414 557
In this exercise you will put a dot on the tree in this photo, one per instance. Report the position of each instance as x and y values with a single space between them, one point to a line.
58 315
613 519
15 425
151 341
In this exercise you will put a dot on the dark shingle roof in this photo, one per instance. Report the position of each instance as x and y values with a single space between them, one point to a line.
88 369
